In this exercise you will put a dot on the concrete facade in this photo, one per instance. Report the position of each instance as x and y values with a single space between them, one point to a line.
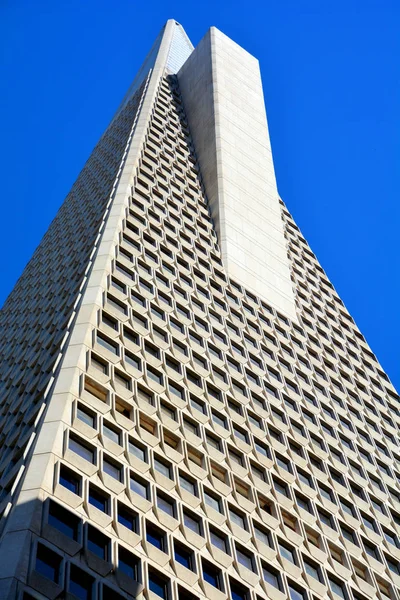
172 434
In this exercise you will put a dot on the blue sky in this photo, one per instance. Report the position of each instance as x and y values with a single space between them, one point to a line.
332 91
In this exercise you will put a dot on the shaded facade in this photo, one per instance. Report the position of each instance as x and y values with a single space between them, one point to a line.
188 409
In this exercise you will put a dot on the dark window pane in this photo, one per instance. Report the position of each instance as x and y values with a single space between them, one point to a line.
48 563
80 584
63 520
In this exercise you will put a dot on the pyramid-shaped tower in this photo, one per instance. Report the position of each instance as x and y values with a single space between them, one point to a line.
188 411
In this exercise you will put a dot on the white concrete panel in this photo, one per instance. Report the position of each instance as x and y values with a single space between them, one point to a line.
222 93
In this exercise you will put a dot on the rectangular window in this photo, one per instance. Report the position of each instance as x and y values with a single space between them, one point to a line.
128 563
192 522
157 537
81 448
86 416
140 487
63 520
70 480
128 518
98 543
99 499
48 563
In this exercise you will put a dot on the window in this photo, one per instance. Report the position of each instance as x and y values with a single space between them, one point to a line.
70 480
140 487
283 463
296 593
326 493
384 587
237 518
163 467
262 448
198 405
107 344
393 565
240 434
133 360
348 534
289 520
371 550
170 440
122 379
238 591
137 450
81 448
184 556
48 563
266 505
257 472
391 538
158 584
99 499
86 416
95 389
147 425
245 558
113 469
326 518
176 390
262 535
272 577
154 375
303 502
123 408
281 487
236 457
368 522
213 500
98 543
188 484
166 504
80 584
151 350
156 536
219 540
219 419
312 537
218 472
184 594
98 363
128 563
337 587
63 520
212 575
128 518
360 570
192 522
312 569
286 552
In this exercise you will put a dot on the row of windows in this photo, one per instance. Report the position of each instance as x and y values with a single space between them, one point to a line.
50 565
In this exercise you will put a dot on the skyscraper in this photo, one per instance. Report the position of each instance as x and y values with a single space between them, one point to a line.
188 411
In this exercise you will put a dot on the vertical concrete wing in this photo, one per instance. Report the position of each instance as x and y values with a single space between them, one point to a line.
222 92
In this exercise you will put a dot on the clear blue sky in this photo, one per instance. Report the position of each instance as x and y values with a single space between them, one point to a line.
332 89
